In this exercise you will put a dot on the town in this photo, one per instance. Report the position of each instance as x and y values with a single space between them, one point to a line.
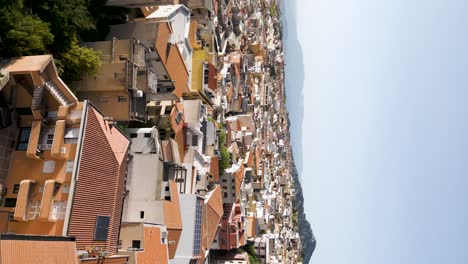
176 151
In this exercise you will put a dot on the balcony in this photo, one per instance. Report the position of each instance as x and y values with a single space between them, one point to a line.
32 150
25 208
47 203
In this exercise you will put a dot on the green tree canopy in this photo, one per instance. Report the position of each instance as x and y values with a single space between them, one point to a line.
67 18
77 62
20 33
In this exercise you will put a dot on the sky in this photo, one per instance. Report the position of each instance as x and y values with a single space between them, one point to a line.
378 99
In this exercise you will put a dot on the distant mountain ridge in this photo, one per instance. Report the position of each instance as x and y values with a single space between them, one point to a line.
294 83
305 230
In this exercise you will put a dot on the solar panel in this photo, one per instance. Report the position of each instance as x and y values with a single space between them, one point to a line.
102 227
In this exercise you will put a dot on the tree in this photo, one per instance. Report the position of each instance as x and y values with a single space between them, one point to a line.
67 18
77 62
250 249
27 37
225 155
20 33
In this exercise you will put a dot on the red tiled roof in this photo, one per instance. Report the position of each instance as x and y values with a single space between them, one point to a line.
172 59
214 213
214 168
173 219
37 251
101 160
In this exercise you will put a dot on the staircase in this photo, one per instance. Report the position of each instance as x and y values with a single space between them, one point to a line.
57 94
37 97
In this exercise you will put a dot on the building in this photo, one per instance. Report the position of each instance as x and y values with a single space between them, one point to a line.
231 257
28 249
69 165
264 247
123 84
231 182
152 195
163 56
213 213
144 243
190 246
231 232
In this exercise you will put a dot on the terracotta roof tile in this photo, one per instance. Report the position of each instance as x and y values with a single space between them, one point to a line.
172 59
173 219
37 251
212 218
214 168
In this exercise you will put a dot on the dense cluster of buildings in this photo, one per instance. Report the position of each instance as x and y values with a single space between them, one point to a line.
177 151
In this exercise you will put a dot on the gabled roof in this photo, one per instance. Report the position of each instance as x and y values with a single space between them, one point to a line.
172 59
214 168
179 129
173 219
214 213
118 142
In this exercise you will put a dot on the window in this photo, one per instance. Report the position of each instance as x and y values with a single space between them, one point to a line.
103 99
123 57
65 189
23 139
147 135
71 135
49 166
69 166
136 243
11 217
122 99
50 139
59 209
178 117
33 209
10 202
133 135
225 194
102 227
224 180
142 214
194 140
16 188
117 75
205 76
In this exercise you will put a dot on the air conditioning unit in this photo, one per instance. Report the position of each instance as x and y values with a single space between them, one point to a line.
82 254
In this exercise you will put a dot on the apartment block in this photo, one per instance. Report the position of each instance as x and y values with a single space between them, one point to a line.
152 194
124 83
68 167
169 53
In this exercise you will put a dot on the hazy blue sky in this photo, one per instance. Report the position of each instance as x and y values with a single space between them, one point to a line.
385 128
